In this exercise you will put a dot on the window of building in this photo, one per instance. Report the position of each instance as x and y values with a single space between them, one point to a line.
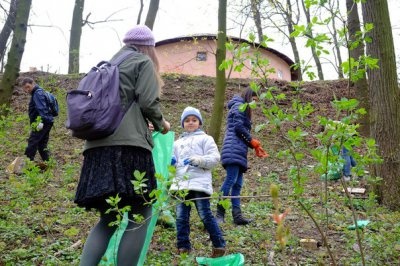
280 74
201 56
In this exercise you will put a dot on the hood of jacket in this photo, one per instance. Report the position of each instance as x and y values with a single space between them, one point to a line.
235 100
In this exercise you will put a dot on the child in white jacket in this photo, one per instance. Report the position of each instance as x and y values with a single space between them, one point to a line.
195 154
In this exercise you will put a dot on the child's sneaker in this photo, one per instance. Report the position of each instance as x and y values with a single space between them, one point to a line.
347 178
218 252
183 251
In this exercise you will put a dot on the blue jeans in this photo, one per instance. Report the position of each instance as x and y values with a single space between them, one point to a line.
206 216
349 162
233 183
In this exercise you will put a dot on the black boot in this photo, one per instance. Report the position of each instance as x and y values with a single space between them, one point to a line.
238 218
220 215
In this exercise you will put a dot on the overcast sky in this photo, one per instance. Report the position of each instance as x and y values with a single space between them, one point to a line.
47 39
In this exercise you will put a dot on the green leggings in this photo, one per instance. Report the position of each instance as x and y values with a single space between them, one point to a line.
131 243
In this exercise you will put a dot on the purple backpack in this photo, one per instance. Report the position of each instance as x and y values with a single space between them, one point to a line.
94 108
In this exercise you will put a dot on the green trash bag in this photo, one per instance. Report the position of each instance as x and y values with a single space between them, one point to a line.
236 259
360 224
162 153
334 171
334 168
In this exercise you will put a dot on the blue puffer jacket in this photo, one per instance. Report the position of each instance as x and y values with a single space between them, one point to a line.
237 135
38 106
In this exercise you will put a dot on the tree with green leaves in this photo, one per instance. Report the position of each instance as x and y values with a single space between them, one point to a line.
312 43
289 11
219 98
384 94
16 52
333 9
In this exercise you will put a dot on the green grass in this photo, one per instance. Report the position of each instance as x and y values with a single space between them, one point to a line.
40 224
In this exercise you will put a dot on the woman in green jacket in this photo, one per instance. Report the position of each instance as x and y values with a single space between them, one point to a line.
109 163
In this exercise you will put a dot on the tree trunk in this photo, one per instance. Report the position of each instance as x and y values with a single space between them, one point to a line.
255 9
219 99
385 102
336 43
75 37
7 28
313 50
152 13
292 40
360 85
140 12
16 51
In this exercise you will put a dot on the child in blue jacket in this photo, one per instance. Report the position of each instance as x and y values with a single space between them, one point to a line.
236 143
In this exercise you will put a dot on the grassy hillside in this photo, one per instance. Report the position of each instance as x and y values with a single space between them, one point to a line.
40 225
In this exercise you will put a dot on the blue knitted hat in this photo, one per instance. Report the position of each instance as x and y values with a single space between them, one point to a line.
191 111
141 35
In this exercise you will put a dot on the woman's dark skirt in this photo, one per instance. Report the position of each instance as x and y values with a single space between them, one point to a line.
108 171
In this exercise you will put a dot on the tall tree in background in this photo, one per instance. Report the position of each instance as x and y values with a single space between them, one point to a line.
75 37
357 51
333 8
255 9
16 51
385 101
310 35
219 98
152 13
7 29
140 12
290 13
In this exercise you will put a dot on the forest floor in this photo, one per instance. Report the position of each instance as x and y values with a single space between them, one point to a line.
40 224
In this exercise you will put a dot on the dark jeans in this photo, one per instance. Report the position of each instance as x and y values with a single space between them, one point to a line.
206 216
38 141
349 162
233 183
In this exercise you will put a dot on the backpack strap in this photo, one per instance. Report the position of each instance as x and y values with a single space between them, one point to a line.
121 57
117 61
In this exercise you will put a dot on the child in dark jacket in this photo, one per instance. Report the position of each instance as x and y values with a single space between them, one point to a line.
38 107
237 140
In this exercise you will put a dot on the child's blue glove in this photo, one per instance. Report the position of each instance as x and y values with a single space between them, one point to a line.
194 161
173 160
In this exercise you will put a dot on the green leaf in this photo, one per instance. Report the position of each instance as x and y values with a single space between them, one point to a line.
138 175
243 107
254 86
252 37
229 46
239 67
260 127
314 20
299 156
253 104
368 27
